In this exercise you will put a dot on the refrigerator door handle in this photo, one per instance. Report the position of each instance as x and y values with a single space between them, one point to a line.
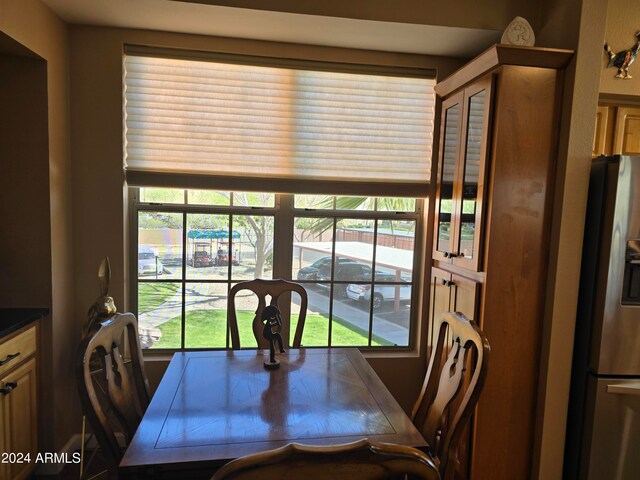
625 388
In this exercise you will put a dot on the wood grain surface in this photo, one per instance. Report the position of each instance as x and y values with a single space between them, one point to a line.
212 407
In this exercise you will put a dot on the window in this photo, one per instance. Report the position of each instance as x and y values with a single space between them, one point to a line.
354 256
348 150
359 256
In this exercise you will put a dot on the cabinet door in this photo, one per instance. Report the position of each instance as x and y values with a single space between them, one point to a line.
451 293
464 296
19 414
440 298
471 175
601 137
627 134
450 128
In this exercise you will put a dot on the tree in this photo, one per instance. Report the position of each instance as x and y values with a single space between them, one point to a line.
261 238
387 204
261 227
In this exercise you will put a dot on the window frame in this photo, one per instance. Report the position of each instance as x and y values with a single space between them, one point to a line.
284 214
284 223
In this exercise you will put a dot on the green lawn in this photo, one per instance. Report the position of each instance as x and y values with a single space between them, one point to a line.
151 295
207 329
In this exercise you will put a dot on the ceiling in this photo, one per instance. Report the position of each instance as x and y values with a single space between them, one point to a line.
196 18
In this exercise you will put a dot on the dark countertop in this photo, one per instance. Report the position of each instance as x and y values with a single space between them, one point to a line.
12 319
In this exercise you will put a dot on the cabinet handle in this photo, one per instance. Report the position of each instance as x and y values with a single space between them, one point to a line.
625 388
9 358
448 283
8 387
450 255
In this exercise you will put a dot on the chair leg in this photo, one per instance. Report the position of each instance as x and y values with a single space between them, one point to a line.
85 467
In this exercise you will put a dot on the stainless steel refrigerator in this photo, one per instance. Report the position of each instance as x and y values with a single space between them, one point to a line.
603 436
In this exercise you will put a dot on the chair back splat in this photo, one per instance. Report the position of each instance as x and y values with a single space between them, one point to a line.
279 291
362 460
455 376
114 392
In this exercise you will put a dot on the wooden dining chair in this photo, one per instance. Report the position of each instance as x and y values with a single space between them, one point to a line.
455 376
114 391
275 289
363 460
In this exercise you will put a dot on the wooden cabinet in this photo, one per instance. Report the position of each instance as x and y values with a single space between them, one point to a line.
496 162
604 130
451 292
18 403
626 137
617 130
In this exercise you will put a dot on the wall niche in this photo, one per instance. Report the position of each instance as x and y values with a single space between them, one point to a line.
25 241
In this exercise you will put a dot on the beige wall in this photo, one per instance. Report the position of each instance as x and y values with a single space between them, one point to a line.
31 24
623 21
578 25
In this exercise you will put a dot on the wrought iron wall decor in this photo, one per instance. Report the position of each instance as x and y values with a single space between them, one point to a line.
623 59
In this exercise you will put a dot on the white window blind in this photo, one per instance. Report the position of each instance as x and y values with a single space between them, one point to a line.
225 119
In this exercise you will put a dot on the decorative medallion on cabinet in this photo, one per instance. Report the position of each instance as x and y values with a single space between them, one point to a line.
496 165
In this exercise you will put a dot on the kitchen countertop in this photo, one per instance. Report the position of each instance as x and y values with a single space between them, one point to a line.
12 319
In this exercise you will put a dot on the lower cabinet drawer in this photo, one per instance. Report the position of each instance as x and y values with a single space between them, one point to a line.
17 349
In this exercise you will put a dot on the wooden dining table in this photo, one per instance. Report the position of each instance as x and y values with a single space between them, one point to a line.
214 406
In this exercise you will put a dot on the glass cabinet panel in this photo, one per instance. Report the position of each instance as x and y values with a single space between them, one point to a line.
472 166
450 141
463 162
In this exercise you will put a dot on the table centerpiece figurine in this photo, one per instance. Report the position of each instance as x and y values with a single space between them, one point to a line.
272 320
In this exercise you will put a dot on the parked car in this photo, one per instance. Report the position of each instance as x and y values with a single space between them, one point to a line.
381 292
321 268
345 272
201 258
148 262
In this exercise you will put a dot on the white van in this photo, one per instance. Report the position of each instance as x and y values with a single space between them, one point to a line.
148 262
